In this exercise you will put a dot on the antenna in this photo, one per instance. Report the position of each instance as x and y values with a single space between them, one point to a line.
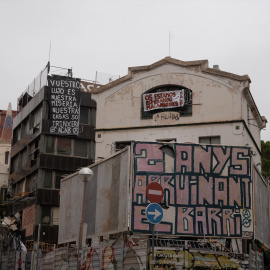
50 52
169 43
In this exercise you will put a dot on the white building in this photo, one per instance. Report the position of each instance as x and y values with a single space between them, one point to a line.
5 146
218 108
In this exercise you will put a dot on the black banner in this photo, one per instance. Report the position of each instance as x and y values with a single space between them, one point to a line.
64 100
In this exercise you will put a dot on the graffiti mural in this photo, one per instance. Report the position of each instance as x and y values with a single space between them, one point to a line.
171 260
207 189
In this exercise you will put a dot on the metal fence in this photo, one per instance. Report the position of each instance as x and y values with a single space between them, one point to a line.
34 87
106 255
128 254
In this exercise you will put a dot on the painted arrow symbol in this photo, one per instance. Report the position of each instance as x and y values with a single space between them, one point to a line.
156 214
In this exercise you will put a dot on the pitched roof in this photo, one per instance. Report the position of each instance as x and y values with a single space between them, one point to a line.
168 60
7 128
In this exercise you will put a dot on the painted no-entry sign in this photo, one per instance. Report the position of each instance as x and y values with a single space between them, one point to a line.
154 192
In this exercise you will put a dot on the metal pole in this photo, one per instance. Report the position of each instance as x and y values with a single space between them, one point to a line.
153 247
81 228
250 253
256 256
54 253
37 247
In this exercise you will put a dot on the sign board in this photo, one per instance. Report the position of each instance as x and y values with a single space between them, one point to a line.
104 215
154 192
64 100
163 100
154 213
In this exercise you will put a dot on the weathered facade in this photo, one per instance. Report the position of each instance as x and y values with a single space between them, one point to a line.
53 135
218 107
106 203
208 209
6 118
214 189
207 189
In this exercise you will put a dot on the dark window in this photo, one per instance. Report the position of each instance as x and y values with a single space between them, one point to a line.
64 146
20 186
34 152
14 164
166 140
93 117
34 181
45 214
84 115
121 145
80 148
16 134
6 157
50 145
48 179
58 177
28 184
31 121
3 193
210 140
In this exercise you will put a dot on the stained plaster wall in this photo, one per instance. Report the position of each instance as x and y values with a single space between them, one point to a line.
219 98
4 168
215 99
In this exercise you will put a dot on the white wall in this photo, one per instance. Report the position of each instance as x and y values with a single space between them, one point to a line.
216 99
4 168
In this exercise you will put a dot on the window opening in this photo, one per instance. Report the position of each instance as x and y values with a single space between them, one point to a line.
50 145
45 214
64 146
209 140
84 115
48 179
166 140
58 177
186 110
122 145
6 157
80 148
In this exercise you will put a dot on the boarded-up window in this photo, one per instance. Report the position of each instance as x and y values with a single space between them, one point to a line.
80 148
64 146
28 220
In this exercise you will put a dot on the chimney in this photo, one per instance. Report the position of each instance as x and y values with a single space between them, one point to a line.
216 67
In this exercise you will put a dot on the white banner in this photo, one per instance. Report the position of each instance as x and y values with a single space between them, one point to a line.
163 100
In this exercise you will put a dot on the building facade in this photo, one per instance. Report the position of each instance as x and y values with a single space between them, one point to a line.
6 119
196 131
53 135
217 107
209 216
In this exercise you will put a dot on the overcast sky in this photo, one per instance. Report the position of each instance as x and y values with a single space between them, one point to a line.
110 36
